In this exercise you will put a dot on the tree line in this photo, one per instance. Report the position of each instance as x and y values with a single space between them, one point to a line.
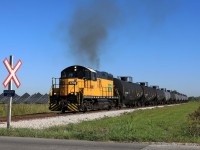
192 98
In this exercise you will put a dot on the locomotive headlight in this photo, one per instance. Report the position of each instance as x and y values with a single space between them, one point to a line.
75 68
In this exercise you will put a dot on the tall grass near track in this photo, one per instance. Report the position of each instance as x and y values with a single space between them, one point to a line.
24 109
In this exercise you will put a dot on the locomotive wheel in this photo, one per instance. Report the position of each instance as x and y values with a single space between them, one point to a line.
85 107
63 110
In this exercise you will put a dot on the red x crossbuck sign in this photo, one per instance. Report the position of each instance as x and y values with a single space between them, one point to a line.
12 73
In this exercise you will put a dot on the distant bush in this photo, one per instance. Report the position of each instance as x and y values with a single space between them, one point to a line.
194 123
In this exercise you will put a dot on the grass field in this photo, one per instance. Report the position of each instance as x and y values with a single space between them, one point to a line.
23 109
168 124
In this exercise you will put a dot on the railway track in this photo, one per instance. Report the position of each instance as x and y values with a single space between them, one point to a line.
30 116
53 114
44 115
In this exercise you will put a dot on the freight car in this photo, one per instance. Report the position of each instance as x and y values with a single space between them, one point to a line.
83 89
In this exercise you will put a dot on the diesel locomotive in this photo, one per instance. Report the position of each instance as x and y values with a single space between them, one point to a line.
83 89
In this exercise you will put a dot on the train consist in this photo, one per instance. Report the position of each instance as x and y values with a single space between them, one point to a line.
83 89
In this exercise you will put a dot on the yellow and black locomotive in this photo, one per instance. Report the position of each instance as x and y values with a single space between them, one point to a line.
82 89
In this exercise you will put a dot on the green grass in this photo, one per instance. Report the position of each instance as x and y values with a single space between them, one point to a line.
168 124
24 109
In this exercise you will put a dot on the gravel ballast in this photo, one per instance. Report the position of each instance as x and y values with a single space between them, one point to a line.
43 123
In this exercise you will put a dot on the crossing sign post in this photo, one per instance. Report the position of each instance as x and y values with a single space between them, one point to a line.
8 82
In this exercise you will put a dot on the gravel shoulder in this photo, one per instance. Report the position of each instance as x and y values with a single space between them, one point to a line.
43 123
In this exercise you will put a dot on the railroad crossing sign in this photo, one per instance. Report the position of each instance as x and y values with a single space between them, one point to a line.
12 73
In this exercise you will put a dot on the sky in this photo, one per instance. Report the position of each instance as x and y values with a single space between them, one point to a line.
157 41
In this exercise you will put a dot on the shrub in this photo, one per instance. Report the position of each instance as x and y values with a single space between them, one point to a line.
194 123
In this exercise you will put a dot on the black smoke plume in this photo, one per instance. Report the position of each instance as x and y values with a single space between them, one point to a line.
89 28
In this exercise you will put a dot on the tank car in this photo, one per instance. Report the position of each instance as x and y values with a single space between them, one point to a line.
149 94
167 96
130 93
172 99
160 95
185 98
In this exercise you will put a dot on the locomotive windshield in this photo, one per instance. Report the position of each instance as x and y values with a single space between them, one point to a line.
78 72
72 74
69 75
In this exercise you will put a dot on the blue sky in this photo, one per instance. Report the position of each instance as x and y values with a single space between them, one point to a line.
152 40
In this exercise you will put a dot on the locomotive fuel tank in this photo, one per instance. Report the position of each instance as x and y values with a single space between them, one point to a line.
130 93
